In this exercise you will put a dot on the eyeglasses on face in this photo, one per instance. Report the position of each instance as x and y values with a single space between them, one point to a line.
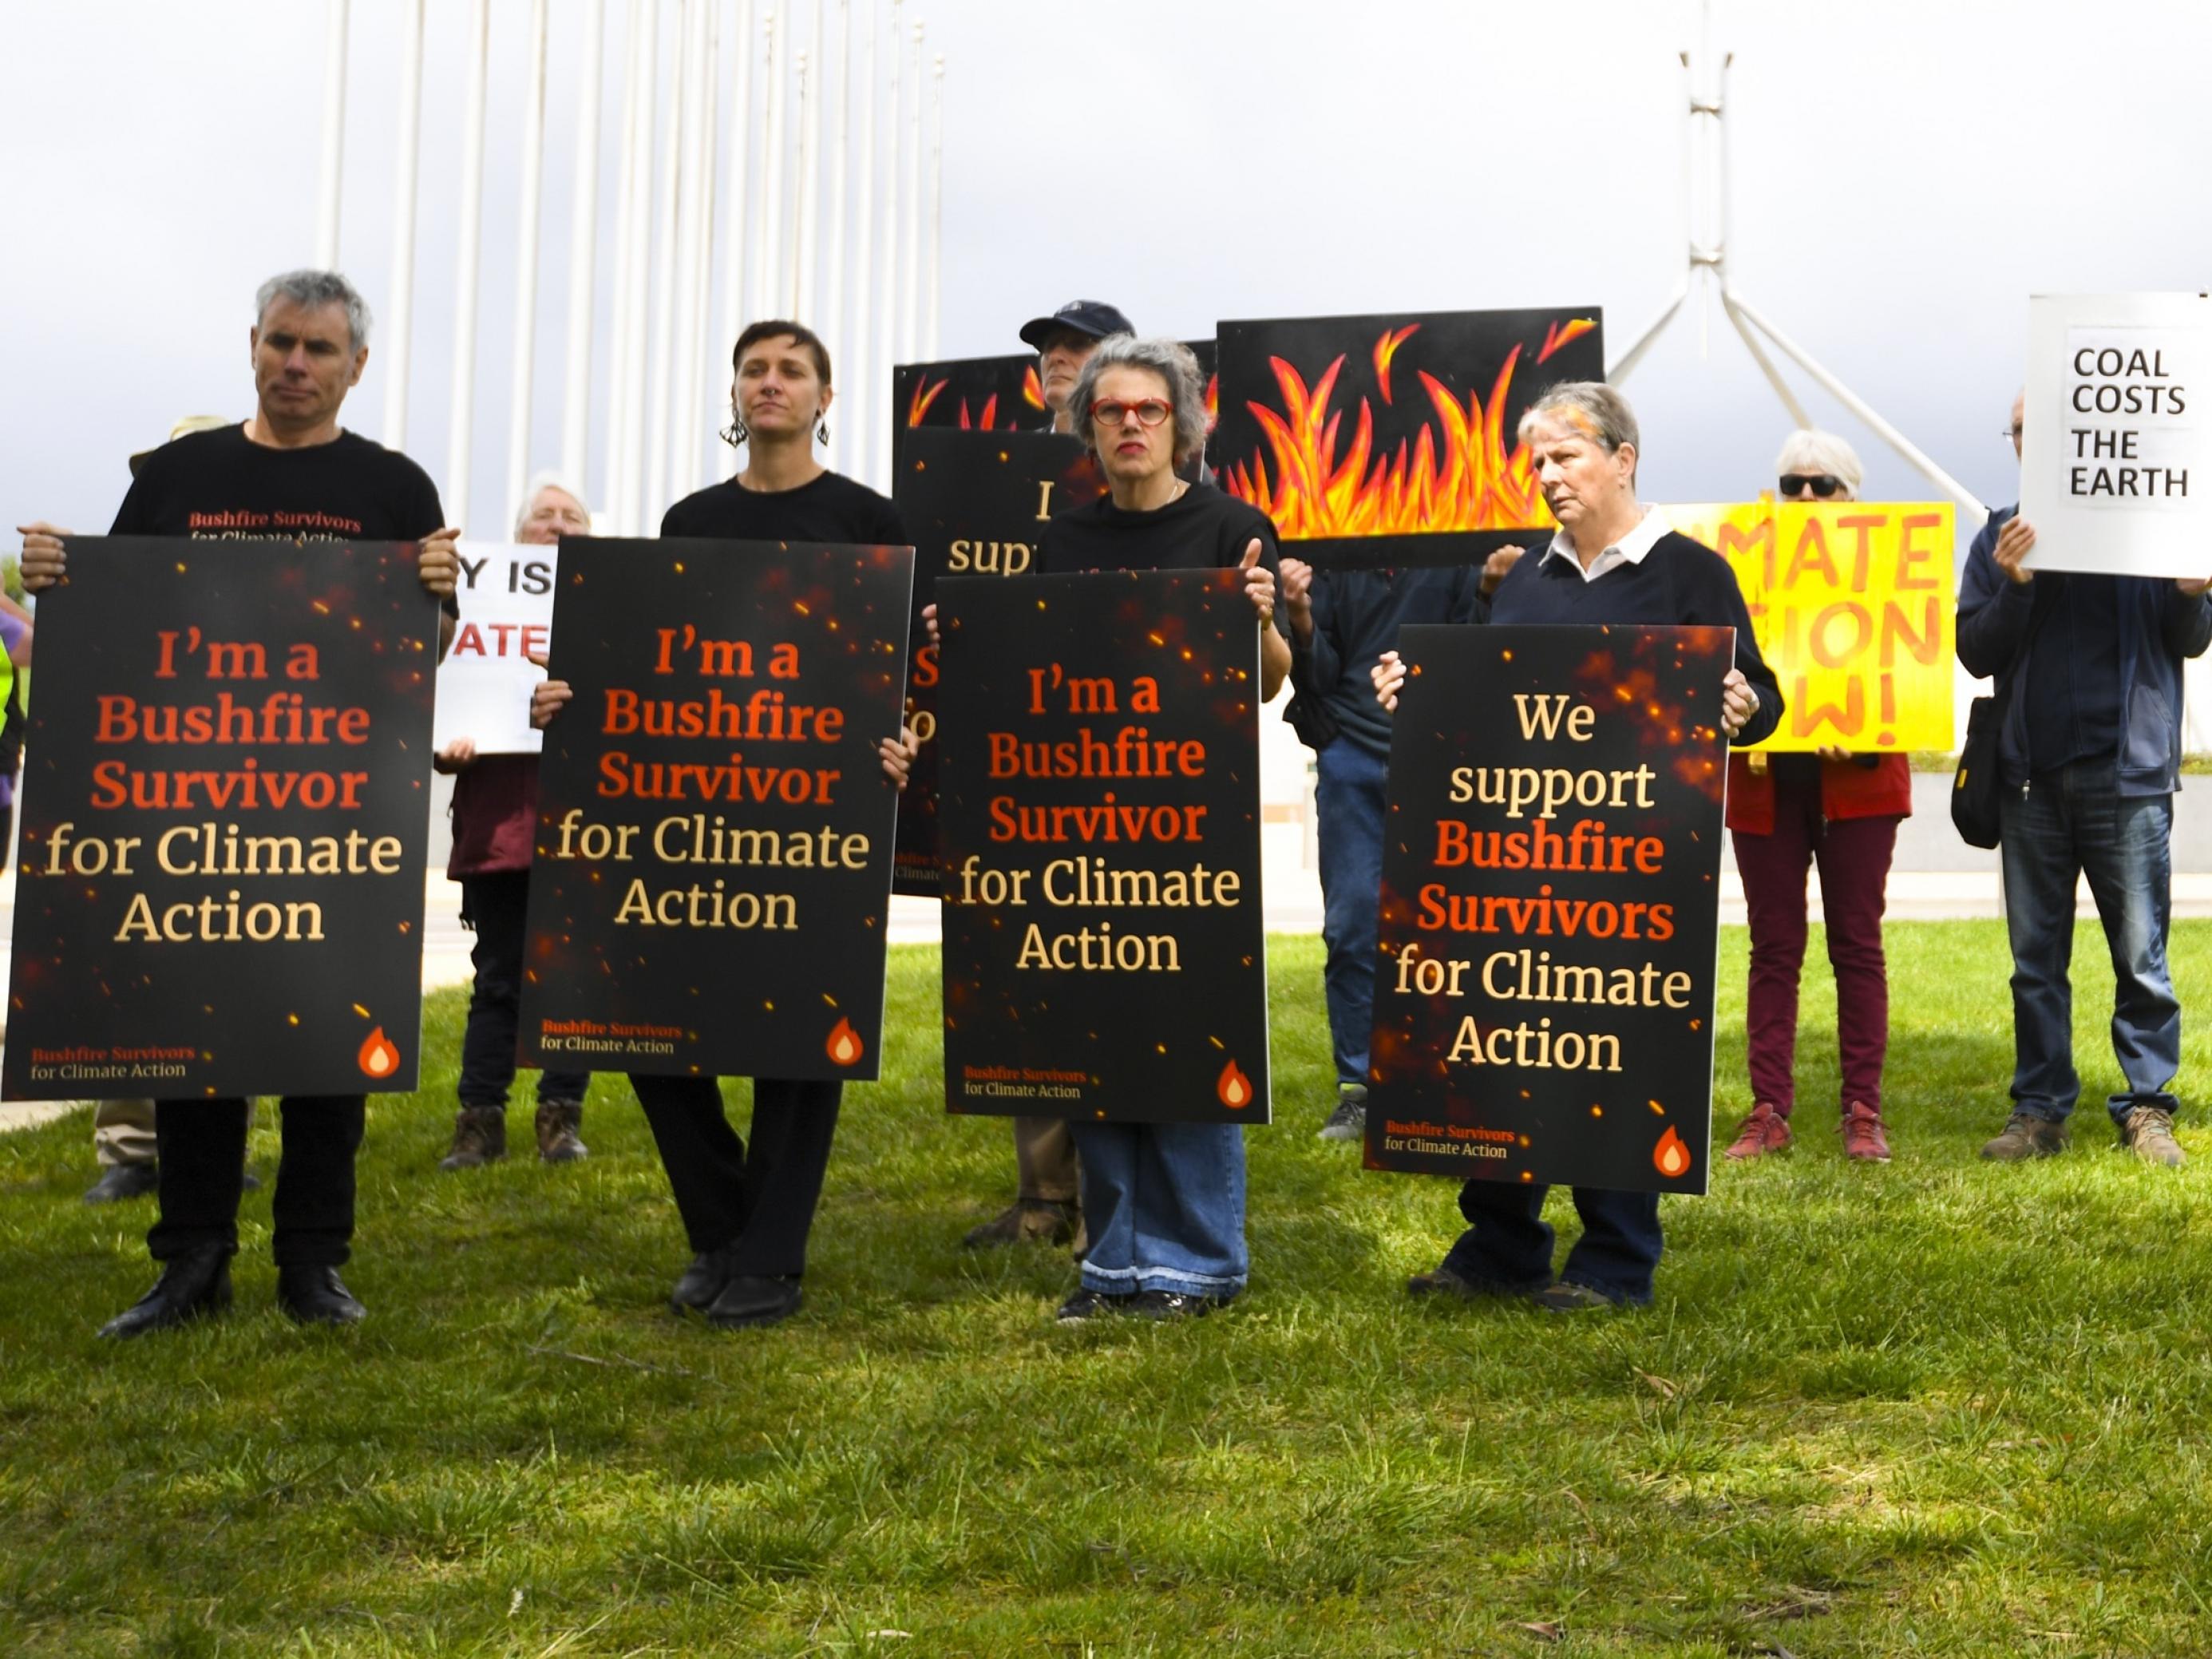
1823 485
1112 411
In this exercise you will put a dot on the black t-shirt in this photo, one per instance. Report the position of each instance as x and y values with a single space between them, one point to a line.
1202 529
221 485
830 508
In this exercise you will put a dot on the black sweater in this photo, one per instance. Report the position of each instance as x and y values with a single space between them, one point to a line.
1356 615
1678 584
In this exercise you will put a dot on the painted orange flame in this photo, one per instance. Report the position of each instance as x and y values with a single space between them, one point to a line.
1555 336
1032 392
924 395
844 1046
1234 1088
378 1057
1467 480
1670 1157
1385 349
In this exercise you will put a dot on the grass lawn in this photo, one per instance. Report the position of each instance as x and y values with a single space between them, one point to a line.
1942 1407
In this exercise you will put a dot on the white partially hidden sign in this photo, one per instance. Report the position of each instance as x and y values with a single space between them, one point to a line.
2116 456
506 596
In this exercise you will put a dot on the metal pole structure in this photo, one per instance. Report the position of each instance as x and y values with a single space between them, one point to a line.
641 60
461 417
864 416
813 85
933 271
801 274
833 310
666 262
692 464
398 316
681 367
583 253
886 287
734 248
768 273
526 269
331 175
909 285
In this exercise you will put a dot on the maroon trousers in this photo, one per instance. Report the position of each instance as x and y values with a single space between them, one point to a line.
1853 855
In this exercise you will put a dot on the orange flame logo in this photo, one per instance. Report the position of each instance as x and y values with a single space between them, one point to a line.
1234 1088
844 1046
378 1057
1670 1157
1464 479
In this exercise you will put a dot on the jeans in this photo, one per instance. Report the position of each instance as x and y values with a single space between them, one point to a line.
1164 1203
2070 823
1853 855
496 905
1507 1244
200 1146
1349 791
760 1201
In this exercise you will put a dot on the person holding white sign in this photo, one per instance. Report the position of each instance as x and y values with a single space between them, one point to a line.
494 831
2090 748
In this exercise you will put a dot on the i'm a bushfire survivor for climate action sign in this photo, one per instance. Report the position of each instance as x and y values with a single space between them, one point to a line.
225 814
1100 821
1544 999
714 848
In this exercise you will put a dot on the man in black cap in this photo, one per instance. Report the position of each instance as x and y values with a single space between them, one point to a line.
1062 341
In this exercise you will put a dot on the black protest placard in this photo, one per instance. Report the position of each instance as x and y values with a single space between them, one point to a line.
1399 428
1550 912
714 849
990 394
1100 823
225 818
975 504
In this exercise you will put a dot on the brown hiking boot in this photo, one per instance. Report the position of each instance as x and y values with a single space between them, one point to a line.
558 1122
1862 1136
2150 1136
479 1138
2026 1136
1764 1131
1026 1221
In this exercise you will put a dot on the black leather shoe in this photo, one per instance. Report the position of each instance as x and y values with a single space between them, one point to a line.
316 1295
701 1283
750 1300
120 1181
1176 1304
190 1286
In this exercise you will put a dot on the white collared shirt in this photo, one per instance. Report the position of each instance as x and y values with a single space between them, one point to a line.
1629 550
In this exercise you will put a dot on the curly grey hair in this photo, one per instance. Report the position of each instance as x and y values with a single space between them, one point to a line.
314 290
1592 408
1172 360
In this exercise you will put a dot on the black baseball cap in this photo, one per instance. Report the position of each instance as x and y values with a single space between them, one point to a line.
1092 316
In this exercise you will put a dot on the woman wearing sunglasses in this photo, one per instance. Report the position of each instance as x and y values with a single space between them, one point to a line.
1163 1202
1840 811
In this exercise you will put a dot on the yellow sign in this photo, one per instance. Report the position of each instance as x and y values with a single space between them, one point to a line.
1852 604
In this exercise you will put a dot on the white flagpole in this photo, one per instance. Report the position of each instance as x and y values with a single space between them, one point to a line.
398 312
867 400
768 273
833 311
814 85
799 273
910 282
331 175
666 262
637 57
526 277
935 271
583 250
461 414
886 288
735 247
691 463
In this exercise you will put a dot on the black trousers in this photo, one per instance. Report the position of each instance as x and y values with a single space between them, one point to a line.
496 905
761 1200
201 1148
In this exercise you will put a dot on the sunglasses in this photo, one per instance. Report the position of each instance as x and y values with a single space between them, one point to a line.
1108 412
1823 485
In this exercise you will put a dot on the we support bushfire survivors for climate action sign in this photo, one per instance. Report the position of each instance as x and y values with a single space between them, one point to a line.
1100 815
1544 1002
976 504
225 814
713 824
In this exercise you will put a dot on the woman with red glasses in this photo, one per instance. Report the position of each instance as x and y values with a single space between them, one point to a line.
1840 811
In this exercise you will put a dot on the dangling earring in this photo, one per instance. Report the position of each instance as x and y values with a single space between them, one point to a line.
822 427
734 434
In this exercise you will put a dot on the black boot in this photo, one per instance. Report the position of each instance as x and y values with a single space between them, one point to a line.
190 1286
121 1180
701 1282
316 1295
479 1138
751 1299
558 1124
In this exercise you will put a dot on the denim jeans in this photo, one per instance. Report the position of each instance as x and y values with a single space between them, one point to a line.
1164 1203
1349 792
1508 1243
2070 824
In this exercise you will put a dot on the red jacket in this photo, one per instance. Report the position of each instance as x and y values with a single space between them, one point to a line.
1883 790
495 816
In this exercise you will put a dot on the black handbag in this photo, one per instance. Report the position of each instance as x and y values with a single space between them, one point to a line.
1977 788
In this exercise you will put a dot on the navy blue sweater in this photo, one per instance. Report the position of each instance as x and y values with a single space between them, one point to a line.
1356 615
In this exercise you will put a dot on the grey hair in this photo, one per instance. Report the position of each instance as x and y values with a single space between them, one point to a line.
538 485
1172 360
1592 408
1807 450
315 289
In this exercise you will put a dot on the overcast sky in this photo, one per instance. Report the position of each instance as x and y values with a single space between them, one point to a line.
1905 173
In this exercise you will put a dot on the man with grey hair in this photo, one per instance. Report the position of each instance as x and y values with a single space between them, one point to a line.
288 473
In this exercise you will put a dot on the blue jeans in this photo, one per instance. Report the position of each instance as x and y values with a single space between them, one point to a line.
1508 1243
1349 794
1165 1204
2071 823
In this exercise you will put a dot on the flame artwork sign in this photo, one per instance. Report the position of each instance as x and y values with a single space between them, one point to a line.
715 827
1100 815
1389 441
225 818
1550 917
988 394
975 504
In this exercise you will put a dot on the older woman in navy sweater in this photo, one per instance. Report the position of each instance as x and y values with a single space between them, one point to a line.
1613 561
